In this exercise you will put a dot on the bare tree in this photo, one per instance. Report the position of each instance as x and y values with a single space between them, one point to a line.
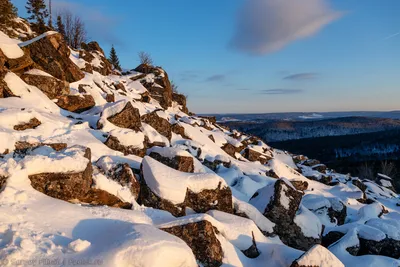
388 169
75 32
145 58
366 171
174 87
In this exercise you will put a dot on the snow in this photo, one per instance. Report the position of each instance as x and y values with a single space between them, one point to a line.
49 33
79 245
263 198
38 72
172 185
11 51
308 222
128 137
319 256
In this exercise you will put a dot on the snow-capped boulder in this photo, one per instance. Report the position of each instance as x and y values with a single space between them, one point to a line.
51 53
229 149
94 55
31 124
252 154
49 85
173 157
15 59
385 181
299 184
177 128
123 116
317 256
65 174
158 121
165 188
98 197
76 103
121 173
181 100
330 211
201 238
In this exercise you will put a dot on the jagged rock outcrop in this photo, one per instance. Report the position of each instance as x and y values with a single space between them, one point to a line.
201 238
51 53
94 55
181 100
50 86
177 162
16 64
128 118
76 103
253 155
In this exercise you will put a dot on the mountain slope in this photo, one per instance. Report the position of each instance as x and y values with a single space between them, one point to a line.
103 168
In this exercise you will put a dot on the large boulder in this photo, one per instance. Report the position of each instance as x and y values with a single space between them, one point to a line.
98 197
200 192
76 103
159 123
181 100
254 155
65 185
18 64
51 53
49 85
201 238
128 117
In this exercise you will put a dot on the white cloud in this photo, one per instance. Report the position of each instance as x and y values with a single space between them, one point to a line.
265 26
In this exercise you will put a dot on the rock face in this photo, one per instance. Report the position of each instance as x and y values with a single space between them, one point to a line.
128 118
113 143
50 86
51 53
229 149
32 124
93 51
76 103
179 163
201 238
280 203
161 125
65 186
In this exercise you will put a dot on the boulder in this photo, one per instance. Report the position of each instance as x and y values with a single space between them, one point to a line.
317 256
76 103
51 53
113 143
338 211
177 162
32 124
201 238
160 124
68 185
98 197
320 168
123 174
229 149
128 118
3 181
213 165
211 119
300 185
119 86
110 98
253 155
23 148
180 130
16 64
50 86
93 51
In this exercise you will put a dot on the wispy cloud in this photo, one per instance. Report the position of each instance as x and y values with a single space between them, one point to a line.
281 91
216 78
301 76
265 26
243 89
391 36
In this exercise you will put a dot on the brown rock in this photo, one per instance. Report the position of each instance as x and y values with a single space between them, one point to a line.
211 137
229 149
76 103
98 197
300 185
65 186
128 118
214 199
211 119
178 129
110 98
22 148
113 143
181 100
145 97
32 124
120 86
123 174
17 64
161 125
50 86
51 53
201 238
3 181
253 155
180 163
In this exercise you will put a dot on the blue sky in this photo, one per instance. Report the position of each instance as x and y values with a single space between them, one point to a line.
255 56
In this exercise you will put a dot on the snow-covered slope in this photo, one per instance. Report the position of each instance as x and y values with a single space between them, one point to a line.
102 168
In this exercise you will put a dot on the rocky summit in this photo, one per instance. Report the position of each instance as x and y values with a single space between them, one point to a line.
111 166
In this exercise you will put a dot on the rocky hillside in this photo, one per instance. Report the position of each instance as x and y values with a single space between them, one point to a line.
102 168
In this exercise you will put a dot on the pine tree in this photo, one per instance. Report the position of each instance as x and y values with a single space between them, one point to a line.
38 11
50 24
60 26
7 11
114 60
